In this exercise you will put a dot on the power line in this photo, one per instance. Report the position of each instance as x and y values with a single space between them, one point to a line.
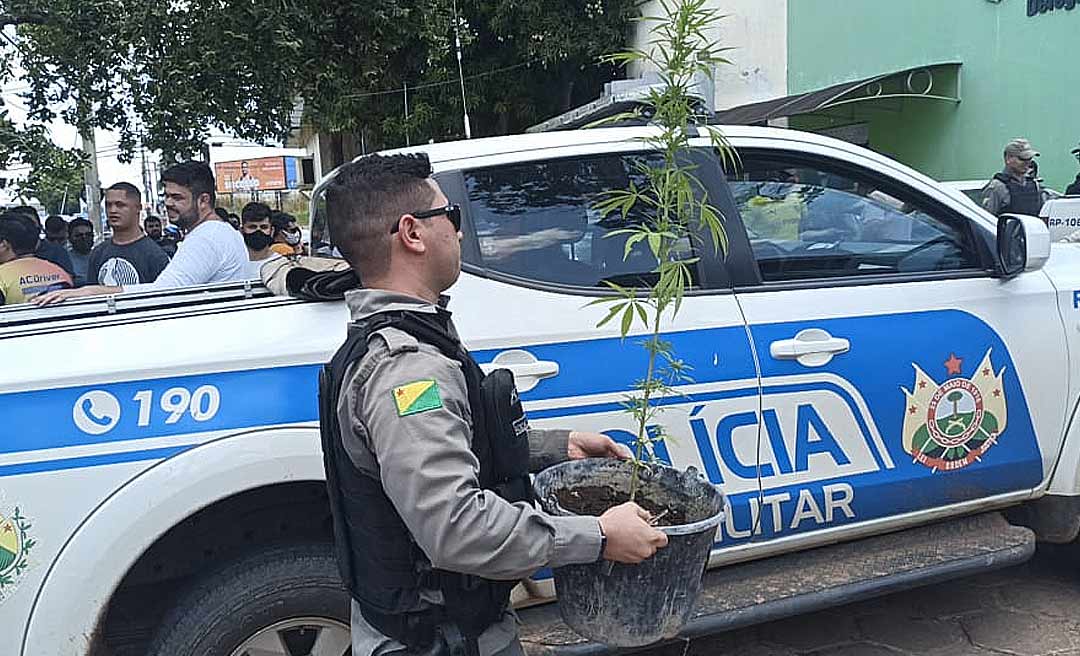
442 83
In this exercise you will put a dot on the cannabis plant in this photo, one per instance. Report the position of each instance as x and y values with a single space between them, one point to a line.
669 207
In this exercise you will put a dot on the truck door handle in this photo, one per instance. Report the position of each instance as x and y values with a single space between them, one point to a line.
527 370
812 347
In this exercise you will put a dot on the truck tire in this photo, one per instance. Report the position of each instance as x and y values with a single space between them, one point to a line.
283 601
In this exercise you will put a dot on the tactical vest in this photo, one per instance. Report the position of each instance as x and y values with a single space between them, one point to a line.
1024 197
1074 188
380 563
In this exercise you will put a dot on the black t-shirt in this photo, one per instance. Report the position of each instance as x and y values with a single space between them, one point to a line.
141 261
56 254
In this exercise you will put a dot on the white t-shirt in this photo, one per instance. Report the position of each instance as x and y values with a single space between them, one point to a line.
211 253
255 267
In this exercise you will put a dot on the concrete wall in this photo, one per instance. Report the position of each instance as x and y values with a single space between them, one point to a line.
1019 77
757 29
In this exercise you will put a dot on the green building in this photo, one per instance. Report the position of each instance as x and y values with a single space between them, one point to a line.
941 85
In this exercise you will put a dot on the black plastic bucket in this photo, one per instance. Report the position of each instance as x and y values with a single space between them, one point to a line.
633 605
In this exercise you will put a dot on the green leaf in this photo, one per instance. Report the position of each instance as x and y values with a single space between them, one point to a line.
611 315
628 318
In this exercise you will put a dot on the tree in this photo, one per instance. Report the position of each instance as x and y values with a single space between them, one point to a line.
526 60
160 74
56 174
56 179
163 74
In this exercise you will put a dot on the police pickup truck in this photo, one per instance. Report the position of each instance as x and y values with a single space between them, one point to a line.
884 383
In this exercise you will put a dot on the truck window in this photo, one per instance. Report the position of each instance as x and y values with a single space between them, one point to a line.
538 220
808 220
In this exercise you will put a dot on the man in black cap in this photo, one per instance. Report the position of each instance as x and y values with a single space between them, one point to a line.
1074 188
1011 191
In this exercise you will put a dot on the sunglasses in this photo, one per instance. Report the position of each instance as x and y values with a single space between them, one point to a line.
451 211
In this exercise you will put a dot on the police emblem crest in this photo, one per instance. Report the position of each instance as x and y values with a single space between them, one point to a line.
951 425
15 545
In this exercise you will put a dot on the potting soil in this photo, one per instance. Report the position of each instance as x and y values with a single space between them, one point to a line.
595 500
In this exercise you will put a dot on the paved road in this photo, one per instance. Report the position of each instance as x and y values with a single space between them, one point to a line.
1030 610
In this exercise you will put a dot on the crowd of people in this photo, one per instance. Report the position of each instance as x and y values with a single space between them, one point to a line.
200 244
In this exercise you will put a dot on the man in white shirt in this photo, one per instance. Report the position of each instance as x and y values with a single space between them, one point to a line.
212 251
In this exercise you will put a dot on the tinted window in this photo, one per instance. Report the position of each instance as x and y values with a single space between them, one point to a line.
538 220
806 222
976 195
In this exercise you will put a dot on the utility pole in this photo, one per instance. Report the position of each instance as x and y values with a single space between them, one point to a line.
148 190
93 184
461 73
407 114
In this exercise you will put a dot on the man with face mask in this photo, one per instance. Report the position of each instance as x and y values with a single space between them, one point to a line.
258 235
156 233
213 252
81 240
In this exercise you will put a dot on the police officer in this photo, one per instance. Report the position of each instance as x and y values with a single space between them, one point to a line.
1012 191
427 459
1074 188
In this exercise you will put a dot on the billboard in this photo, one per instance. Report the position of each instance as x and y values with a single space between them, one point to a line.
259 174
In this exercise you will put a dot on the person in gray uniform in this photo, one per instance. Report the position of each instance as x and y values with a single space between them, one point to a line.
428 458
1011 191
1074 188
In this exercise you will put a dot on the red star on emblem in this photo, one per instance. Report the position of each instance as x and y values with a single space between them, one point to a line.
7 528
997 392
953 364
987 373
913 409
922 384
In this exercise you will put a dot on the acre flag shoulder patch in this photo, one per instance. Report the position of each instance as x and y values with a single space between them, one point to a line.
414 398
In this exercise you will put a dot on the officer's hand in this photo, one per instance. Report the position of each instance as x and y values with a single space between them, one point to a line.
595 445
630 538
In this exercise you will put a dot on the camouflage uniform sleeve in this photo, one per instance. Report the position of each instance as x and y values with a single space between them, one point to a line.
995 196
414 410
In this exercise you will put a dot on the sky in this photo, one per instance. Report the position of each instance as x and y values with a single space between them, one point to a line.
110 168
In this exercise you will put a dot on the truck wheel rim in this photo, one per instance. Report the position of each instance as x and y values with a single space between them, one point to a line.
301 636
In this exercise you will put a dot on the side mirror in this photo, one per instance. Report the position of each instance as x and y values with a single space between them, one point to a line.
1023 244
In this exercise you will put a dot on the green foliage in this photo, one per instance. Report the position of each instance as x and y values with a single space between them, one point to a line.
55 174
525 61
676 205
159 73
163 73
55 179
